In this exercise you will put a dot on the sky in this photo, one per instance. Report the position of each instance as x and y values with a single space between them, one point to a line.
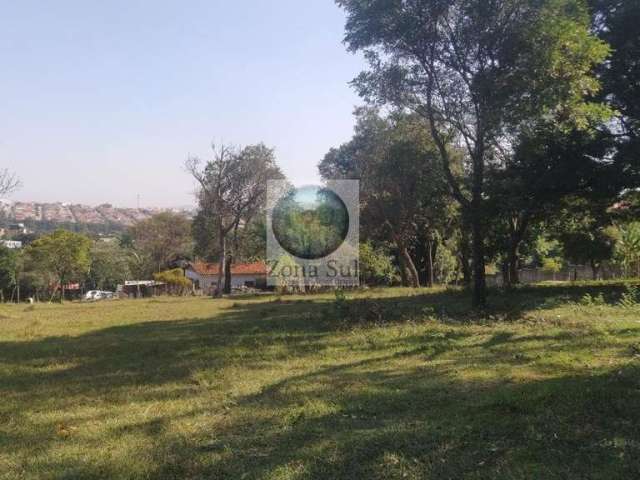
104 101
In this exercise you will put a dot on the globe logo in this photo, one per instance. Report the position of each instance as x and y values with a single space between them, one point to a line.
310 222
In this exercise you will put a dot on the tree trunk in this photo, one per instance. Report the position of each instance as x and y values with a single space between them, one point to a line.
222 263
465 266
404 279
53 294
512 263
414 279
231 259
227 274
518 227
430 279
594 269
504 270
465 255
479 279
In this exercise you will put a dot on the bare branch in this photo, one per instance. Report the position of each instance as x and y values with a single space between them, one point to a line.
9 183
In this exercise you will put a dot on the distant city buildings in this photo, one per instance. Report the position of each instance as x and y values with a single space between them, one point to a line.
22 211
73 213
56 212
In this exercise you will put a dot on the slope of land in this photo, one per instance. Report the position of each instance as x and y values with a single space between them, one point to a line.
385 384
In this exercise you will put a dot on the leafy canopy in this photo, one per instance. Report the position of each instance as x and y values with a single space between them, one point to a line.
62 253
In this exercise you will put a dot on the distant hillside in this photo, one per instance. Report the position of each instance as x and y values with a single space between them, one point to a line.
65 213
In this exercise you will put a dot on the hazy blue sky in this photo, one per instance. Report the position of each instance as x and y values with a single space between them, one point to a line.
101 101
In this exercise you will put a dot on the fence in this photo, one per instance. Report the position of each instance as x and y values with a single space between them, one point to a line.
577 273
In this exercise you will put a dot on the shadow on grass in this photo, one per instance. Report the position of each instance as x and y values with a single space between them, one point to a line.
422 424
453 305
403 409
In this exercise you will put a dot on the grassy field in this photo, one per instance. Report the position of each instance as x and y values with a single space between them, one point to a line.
382 384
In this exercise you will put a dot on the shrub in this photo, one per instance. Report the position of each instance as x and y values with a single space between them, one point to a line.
589 300
376 266
631 297
175 280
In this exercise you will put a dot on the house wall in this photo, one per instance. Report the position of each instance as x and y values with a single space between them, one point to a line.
209 282
241 280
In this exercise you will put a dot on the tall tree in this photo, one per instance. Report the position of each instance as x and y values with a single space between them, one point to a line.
232 190
616 22
63 254
583 227
402 188
110 265
480 72
161 240
547 166
8 267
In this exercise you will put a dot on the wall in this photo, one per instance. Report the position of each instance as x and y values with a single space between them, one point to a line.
209 282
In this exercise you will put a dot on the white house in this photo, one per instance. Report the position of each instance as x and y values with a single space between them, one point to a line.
205 275
13 244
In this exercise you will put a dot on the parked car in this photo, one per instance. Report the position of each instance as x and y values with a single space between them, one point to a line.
90 295
98 295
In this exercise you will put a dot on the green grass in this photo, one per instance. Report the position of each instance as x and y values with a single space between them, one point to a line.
385 384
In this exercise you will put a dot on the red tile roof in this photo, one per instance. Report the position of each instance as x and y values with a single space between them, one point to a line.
256 268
